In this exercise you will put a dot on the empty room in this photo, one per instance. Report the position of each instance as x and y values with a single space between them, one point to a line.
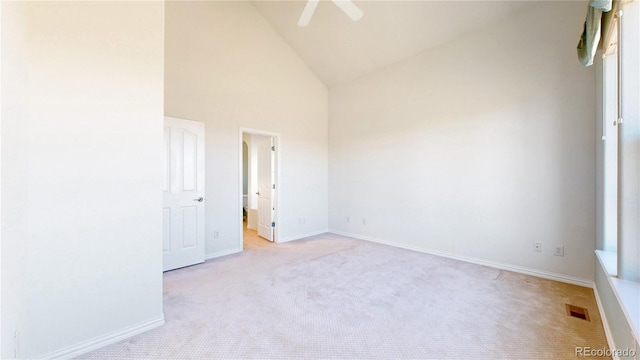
332 179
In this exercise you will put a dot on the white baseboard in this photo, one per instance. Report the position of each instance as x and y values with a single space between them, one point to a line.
302 236
221 253
104 340
605 323
526 271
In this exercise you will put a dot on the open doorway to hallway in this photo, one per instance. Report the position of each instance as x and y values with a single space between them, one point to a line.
259 188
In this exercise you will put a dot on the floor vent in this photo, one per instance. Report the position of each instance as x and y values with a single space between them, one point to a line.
578 312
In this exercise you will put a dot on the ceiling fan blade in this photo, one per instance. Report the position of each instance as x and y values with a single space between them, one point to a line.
349 8
308 12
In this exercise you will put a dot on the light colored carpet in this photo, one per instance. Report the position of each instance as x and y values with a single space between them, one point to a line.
334 297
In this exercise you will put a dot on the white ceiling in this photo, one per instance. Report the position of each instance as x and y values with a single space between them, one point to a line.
338 49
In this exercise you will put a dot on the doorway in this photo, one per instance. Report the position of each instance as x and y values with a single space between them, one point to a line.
259 156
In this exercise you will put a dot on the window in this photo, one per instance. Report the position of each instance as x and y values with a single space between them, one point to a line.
610 152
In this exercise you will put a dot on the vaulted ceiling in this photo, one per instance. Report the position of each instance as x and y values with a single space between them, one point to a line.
338 49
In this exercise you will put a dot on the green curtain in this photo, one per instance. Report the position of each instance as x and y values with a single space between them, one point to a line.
590 37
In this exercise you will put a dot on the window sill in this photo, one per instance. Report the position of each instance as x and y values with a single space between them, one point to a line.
627 292
609 261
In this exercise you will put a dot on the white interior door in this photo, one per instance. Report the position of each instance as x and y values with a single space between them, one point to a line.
265 189
183 207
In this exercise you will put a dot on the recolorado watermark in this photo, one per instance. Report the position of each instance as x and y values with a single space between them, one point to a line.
585 351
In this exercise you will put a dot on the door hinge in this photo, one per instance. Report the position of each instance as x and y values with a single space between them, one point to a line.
273 224
273 148
274 186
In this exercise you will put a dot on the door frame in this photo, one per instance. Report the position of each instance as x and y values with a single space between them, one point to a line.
276 174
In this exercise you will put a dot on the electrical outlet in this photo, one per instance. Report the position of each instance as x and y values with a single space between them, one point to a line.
299 221
348 219
364 221
537 247
216 234
559 251
304 220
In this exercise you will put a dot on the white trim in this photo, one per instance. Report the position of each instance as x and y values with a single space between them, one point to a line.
609 262
626 293
104 340
521 270
605 323
221 253
302 236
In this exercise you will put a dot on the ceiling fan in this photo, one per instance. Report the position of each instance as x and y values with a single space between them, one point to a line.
346 6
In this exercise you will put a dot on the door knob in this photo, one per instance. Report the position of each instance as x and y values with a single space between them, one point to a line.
258 193
200 199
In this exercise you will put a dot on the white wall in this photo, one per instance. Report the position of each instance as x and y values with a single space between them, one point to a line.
0 177
227 67
477 149
81 168
14 209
